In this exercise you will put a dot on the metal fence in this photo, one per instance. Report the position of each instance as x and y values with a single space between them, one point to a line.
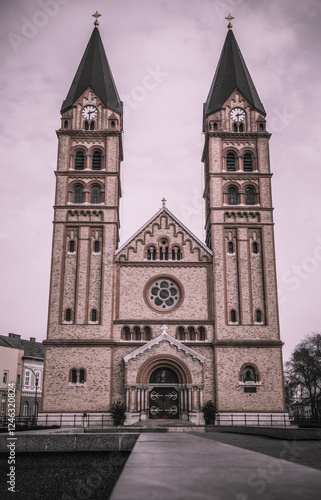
266 420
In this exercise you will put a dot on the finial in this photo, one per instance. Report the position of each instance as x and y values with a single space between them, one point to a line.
164 202
164 328
96 15
229 18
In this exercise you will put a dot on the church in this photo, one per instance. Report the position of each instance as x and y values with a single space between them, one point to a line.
164 322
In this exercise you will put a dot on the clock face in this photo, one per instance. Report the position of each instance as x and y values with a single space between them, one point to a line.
89 112
238 115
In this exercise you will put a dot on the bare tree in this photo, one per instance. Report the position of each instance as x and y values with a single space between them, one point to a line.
303 370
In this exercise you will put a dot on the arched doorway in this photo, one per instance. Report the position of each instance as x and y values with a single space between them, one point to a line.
164 395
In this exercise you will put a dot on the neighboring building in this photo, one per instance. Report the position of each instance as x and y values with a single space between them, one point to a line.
165 322
21 363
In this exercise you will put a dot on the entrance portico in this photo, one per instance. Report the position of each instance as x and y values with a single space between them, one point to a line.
167 385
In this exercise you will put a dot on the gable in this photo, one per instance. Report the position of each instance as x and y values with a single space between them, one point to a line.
164 226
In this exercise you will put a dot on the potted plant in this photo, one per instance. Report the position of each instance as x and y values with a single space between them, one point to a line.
209 411
118 412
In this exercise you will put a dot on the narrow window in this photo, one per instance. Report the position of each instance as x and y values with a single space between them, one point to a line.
230 162
78 194
74 377
164 250
147 333
234 127
262 126
241 127
25 409
72 246
249 196
233 316
27 378
151 253
82 376
201 331
248 162
255 247
95 194
258 316
5 377
113 124
232 196
181 333
80 160
86 126
68 315
96 160
249 374
137 333
176 253
215 126
94 315
230 247
126 333
191 333
92 126
66 124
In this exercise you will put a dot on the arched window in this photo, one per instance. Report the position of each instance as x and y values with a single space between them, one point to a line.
262 127
68 314
126 333
113 124
94 315
147 333
232 196
66 124
241 127
25 409
71 246
255 247
191 333
78 193
163 250
96 246
96 160
137 333
176 253
230 162
233 316
74 376
151 253
258 316
215 126
92 126
81 376
86 126
181 333
234 127
249 196
95 194
80 160
248 162
201 333
230 247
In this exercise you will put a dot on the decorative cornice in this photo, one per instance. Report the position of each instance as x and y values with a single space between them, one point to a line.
248 343
164 337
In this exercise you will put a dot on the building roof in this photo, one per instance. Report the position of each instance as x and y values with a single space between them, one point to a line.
94 71
231 74
31 349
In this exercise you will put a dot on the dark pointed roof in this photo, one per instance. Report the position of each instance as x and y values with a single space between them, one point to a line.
94 71
231 74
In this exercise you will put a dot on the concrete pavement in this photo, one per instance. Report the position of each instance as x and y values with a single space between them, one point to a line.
181 466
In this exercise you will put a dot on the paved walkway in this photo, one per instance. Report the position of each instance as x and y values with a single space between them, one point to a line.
182 466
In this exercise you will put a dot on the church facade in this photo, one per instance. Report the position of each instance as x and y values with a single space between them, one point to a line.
165 322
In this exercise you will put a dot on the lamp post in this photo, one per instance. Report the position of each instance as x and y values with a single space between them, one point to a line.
36 385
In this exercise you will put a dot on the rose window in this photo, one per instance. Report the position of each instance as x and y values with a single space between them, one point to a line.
164 294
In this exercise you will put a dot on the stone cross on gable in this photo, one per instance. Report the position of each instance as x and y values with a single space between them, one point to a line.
164 328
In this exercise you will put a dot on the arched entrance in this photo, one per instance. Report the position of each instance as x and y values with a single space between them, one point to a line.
164 394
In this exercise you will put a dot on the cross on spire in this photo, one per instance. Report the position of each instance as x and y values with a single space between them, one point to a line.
96 15
164 202
229 18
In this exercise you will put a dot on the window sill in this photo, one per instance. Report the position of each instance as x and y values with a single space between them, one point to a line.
71 253
78 384
231 323
93 322
96 253
67 322
258 323
231 254
252 384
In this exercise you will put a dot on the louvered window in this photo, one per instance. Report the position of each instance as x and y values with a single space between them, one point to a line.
230 162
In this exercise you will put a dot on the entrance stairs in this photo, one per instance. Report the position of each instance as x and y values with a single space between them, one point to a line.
169 425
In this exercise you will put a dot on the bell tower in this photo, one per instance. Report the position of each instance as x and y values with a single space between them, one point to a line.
85 238
239 231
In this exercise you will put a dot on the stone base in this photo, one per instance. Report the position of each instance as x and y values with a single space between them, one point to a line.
256 419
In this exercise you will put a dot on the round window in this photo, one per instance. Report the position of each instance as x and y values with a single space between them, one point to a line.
163 294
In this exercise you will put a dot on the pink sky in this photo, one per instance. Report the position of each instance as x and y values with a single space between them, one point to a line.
41 46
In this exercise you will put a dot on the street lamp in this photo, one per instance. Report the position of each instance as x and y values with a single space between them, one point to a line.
36 385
